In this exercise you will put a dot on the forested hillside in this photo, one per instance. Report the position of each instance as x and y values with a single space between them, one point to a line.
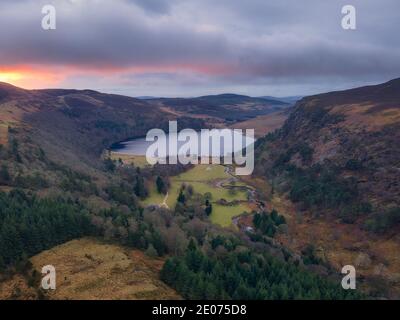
241 274
338 152
57 186
29 225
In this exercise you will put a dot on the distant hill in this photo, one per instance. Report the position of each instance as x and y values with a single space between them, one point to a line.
227 107
84 122
72 127
290 99
45 135
230 98
146 97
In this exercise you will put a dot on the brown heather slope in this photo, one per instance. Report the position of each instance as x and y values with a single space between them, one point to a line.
335 170
43 131
87 269
71 121
10 112
356 130
225 108
73 127
51 145
55 129
44 134
265 124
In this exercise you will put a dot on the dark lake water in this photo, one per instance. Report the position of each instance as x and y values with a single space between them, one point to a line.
139 146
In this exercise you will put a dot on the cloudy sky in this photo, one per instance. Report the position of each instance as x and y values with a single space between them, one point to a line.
195 47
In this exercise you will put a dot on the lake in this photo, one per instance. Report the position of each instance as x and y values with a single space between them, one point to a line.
139 146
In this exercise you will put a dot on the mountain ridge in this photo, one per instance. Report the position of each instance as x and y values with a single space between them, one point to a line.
352 133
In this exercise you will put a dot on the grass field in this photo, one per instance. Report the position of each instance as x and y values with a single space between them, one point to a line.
138 161
89 269
204 173
154 197
205 178
263 124
223 215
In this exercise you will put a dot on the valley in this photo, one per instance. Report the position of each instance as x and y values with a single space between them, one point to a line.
324 191
218 153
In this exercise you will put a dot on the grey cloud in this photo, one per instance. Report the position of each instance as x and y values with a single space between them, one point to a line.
223 43
154 6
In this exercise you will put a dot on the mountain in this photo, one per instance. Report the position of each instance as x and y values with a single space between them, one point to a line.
338 151
223 107
264 124
71 124
331 171
290 99
230 98
57 185
334 169
146 97
76 125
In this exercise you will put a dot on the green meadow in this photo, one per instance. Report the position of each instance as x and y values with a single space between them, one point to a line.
223 215
203 179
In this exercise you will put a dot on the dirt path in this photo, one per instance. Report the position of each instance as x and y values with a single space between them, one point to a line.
164 203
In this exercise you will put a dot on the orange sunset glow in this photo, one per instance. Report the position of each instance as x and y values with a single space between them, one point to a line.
40 77
10 76
29 78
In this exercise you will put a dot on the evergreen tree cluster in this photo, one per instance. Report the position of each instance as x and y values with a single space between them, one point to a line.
208 209
140 188
162 185
242 274
268 223
322 186
318 186
122 194
29 225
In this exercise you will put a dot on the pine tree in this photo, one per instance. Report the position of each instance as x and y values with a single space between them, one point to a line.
151 252
4 175
161 185
181 197
140 188
208 209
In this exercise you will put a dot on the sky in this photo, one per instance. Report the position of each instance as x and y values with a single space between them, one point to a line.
187 48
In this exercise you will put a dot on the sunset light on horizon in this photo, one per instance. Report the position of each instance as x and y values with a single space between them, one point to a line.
10 77
158 48
29 78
